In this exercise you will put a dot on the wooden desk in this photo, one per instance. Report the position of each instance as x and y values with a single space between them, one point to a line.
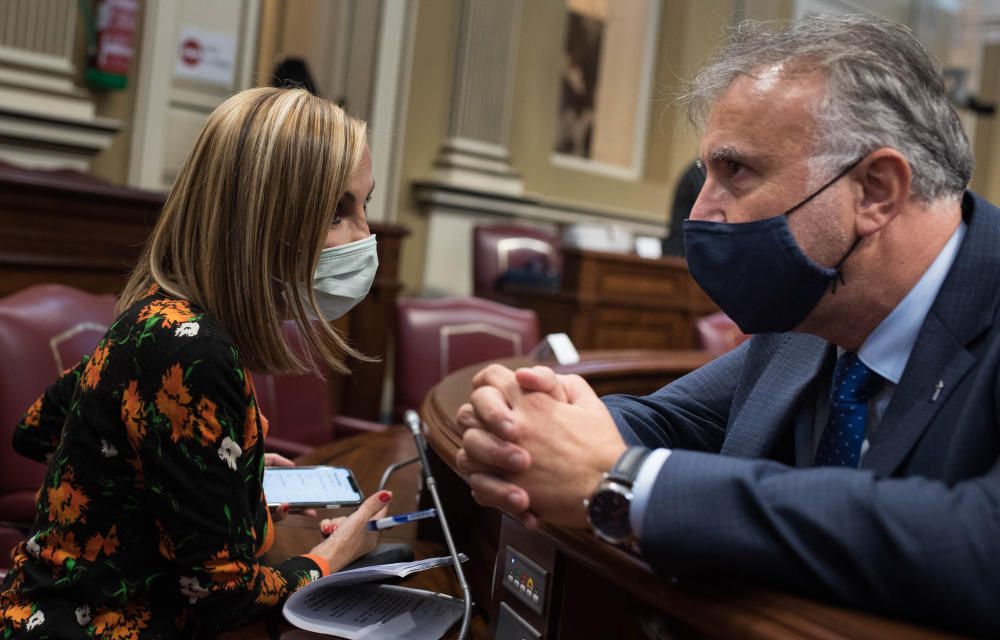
617 301
598 591
367 455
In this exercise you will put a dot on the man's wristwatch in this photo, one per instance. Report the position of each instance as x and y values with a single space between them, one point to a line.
608 507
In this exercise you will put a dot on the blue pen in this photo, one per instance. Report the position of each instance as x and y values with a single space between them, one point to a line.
403 518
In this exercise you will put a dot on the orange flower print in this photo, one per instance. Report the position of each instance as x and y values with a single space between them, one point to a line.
172 400
228 573
16 614
97 543
58 547
208 425
92 371
250 429
133 415
167 548
33 414
272 587
67 503
173 312
121 624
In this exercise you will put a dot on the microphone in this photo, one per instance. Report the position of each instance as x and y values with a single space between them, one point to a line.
412 421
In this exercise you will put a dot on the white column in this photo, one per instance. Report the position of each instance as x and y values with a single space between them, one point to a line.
475 155
46 120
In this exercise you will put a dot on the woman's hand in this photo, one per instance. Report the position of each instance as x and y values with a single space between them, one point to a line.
278 460
349 538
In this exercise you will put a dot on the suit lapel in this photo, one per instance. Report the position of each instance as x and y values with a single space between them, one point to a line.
963 310
769 406
939 363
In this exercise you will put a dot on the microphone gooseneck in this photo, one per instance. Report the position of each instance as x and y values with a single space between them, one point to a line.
412 421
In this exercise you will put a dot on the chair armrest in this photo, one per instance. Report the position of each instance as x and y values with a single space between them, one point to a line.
287 448
347 426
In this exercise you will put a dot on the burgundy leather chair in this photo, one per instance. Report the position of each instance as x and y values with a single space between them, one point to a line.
44 330
495 249
298 410
717 333
435 336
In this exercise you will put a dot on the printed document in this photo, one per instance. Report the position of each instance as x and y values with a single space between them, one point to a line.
373 612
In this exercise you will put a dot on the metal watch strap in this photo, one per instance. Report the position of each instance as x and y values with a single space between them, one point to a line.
628 465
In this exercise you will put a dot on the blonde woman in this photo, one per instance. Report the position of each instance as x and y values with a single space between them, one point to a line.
151 521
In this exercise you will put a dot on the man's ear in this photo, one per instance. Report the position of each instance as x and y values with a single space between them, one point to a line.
884 181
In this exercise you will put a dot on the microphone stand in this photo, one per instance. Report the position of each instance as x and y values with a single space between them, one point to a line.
412 421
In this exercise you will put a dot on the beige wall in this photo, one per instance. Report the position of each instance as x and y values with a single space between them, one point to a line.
670 144
986 144
689 31
426 123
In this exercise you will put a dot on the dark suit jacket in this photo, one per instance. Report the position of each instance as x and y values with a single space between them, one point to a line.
915 532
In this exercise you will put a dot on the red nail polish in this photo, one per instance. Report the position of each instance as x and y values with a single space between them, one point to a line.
284 508
384 496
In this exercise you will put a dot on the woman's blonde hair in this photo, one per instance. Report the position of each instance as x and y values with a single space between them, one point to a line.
244 224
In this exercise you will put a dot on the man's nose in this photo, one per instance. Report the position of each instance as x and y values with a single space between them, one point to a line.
708 205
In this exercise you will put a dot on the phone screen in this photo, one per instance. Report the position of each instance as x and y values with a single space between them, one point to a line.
311 486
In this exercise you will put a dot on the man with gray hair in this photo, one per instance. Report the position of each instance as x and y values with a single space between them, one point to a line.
850 449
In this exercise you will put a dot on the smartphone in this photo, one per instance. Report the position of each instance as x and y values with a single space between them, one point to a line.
302 487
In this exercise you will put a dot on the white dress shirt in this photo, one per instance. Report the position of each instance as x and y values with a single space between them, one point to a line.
886 351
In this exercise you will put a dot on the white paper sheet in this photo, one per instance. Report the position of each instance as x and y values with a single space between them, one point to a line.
381 572
373 612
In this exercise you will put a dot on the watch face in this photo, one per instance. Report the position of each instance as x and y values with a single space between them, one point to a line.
608 511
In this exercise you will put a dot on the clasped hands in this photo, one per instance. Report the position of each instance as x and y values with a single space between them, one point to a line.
535 443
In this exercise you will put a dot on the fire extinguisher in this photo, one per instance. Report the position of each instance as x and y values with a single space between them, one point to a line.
111 41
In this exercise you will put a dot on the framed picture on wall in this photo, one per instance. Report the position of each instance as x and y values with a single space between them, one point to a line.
605 86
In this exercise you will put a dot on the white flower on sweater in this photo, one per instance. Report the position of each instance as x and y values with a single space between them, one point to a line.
192 589
187 330
108 450
229 452
32 545
314 575
37 619
83 615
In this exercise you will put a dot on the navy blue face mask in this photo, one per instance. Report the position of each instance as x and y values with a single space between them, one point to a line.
757 273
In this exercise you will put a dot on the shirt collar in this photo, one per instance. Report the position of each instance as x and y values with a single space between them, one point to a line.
888 348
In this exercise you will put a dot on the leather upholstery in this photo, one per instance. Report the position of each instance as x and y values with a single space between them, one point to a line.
435 336
495 249
717 333
44 330
299 411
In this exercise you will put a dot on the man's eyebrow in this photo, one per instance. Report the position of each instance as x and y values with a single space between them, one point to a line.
725 153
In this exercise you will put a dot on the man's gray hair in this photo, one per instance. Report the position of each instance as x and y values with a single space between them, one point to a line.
883 89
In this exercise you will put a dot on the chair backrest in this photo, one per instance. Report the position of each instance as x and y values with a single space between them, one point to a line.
717 333
435 336
495 249
44 330
297 407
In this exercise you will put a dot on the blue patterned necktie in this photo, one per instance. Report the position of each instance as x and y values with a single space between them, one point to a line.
853 385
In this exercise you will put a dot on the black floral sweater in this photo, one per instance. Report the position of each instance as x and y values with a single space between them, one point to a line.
151 520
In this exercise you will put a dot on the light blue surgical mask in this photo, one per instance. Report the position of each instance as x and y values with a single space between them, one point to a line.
344 276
